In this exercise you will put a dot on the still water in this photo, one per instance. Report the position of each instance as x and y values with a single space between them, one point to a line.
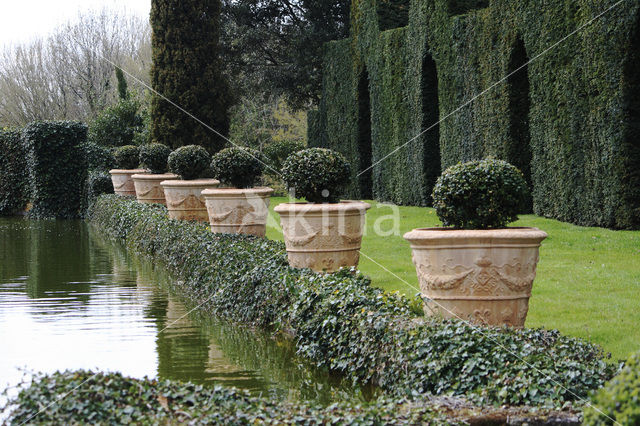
71 300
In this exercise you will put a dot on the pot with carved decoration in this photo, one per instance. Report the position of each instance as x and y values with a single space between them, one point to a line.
184 197
323 234
239 207
127 161
479 269
153 157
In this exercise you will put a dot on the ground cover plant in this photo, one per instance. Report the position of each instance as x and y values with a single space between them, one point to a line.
337 319
586 285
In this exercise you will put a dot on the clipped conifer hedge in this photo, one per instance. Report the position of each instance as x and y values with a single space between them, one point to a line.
14 176
341 323
57 167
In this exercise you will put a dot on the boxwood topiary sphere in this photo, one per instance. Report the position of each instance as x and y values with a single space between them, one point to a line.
316 174
479 194
619 399
154 157
127 157
190 162
238 167
277 152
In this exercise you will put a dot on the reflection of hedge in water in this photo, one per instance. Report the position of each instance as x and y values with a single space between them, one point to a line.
342 323
14 248
570 119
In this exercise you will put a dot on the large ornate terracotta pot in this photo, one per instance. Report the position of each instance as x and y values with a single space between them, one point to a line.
238 211
484 276
323 237
122 182
148 188
185 200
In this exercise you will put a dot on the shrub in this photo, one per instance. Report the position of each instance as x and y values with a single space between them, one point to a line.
278 152
127 157
57 165
14 177
238 167
98 183
316 174
116 125
479 194
190 162
99 157
342 323
618 402
154 157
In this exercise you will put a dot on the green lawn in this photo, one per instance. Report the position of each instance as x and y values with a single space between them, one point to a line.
588 282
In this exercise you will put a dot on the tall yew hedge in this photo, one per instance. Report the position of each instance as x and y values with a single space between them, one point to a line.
570 119
187 70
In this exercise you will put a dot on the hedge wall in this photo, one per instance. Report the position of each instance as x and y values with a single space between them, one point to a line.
570 119
338 318
57 167
14 184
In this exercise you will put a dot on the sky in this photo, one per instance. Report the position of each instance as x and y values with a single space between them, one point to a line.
22 20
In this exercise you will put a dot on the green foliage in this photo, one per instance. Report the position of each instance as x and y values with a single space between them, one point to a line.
238 167
116 125
57 166
123 91
337 319
618 402
155 157
393 14
569 121
187 69
99 157
189 162
98 183
127 157
111 398
316 174
479 194
315 130
278 152
14 175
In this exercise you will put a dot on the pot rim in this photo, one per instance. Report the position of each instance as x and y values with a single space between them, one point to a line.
434 234
151 176
194 183
306 207
128 171
260 190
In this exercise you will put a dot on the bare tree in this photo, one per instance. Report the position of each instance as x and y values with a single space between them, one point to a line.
70 74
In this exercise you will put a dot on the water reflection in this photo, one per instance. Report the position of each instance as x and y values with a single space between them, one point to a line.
69 299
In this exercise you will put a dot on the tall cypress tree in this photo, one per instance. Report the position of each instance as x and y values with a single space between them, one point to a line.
187 70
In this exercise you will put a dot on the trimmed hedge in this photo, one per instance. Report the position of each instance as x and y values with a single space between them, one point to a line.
14 177
619 400
569 120
57 168
342 323
115 399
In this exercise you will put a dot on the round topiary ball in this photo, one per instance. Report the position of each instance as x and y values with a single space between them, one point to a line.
127 157
316 174
154 157
619 399
190 162
479 194
237 167
277 152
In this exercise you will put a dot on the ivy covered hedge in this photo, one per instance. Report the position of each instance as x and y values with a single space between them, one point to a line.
14 177
57 167
570 119
342 323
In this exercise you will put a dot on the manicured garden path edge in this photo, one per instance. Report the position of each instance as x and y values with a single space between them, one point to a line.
340 322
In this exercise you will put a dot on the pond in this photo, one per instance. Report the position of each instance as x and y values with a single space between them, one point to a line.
71 300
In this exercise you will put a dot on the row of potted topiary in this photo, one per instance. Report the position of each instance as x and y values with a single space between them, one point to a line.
478 269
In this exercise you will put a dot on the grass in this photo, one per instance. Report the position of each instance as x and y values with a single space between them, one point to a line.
588 281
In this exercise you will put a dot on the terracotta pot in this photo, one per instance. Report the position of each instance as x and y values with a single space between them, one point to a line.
323 237
185 200
148 188
122 182
238 211
484 276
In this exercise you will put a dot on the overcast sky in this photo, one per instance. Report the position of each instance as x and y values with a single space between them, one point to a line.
21 20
